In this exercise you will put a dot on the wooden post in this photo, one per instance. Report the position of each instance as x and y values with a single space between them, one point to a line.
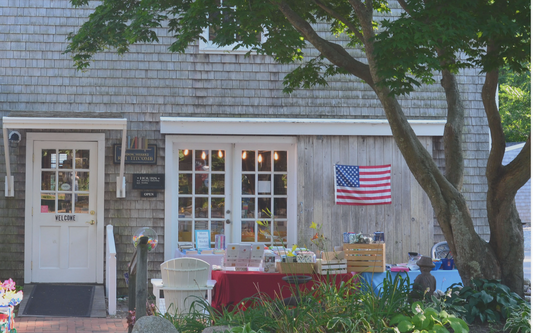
141 292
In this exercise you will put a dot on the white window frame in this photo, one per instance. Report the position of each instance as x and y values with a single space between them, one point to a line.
209 47
171 180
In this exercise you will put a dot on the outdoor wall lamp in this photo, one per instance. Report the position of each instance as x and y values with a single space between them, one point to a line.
14 139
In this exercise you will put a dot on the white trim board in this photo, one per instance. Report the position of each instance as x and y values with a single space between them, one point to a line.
292 126
51 123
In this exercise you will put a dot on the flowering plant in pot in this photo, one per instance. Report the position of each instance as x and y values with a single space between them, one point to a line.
9 297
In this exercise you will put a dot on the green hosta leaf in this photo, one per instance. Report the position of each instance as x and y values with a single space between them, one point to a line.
458 325
396 319
486 298
405 326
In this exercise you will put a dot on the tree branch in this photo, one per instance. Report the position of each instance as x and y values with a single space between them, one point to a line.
341 18
333 52
453 131
518 171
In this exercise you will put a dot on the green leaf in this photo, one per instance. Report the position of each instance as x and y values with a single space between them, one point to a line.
405 326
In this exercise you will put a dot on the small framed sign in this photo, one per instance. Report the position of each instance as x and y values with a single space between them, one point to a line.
149 181
148 194
203 239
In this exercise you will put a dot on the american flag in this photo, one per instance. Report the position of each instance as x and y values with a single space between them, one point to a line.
362 185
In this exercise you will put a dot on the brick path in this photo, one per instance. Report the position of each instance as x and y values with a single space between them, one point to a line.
70 325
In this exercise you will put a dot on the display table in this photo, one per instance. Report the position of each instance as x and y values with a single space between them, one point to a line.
232 287
212 259
445 278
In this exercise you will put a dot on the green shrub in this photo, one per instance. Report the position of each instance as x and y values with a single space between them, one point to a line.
427 320
519 319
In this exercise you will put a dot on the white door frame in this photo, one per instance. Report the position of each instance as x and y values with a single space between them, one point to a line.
99 138
171 181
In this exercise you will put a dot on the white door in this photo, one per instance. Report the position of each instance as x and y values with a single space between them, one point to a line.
203 181
64 221
264 191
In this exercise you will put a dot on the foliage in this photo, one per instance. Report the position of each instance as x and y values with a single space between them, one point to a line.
519 319
427 38
245 329
485 300
390 299
427 320
515 104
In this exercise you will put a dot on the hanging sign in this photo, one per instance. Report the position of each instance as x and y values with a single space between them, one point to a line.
136 156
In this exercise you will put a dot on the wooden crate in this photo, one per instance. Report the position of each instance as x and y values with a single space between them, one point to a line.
294 267
365 257
324 267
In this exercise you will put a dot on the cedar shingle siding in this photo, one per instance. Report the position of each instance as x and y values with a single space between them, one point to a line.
148 82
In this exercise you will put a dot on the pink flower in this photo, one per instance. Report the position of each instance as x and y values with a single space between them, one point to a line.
8 284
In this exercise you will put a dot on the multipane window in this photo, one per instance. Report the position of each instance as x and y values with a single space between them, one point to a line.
65 180
201 198
264 196
226 15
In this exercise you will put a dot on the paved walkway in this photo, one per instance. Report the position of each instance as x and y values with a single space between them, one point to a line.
70 325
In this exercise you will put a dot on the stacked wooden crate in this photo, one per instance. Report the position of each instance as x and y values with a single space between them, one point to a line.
365 257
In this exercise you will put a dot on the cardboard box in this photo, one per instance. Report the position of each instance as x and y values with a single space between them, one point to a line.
294 268
365 257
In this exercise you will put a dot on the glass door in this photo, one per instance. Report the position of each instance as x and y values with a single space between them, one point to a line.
263 192
202 202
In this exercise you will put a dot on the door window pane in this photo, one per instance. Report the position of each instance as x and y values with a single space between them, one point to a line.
264 160
217 207
217 228
248 231
48 202
65 159
48 180
248 208
248 183
64 203
248 160
202 183
280 207
280 232
81 203
264 233
185 181
65 181
82 181
217 184
201 160
184 231
82 159
263 207
201 207
185 162
185 207
219 160
48 159
280 184
263 184
280 161
201 225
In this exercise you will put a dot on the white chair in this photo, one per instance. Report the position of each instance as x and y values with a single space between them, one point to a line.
184 280
440 250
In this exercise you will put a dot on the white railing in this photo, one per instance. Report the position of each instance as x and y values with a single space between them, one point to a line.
111 271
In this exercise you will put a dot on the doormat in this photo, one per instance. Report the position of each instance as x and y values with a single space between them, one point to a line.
57 300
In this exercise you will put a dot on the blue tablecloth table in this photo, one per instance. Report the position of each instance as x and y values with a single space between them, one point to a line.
445 278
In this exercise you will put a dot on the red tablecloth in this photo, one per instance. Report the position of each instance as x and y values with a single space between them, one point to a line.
232 287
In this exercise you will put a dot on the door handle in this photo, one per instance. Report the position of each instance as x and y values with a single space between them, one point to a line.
91 222
228 221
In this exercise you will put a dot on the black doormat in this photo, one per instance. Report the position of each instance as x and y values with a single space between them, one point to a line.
60 301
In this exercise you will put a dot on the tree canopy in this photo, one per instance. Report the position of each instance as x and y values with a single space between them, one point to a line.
515 104
431 39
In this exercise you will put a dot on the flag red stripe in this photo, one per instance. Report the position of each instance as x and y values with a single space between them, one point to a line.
363 198
363 192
